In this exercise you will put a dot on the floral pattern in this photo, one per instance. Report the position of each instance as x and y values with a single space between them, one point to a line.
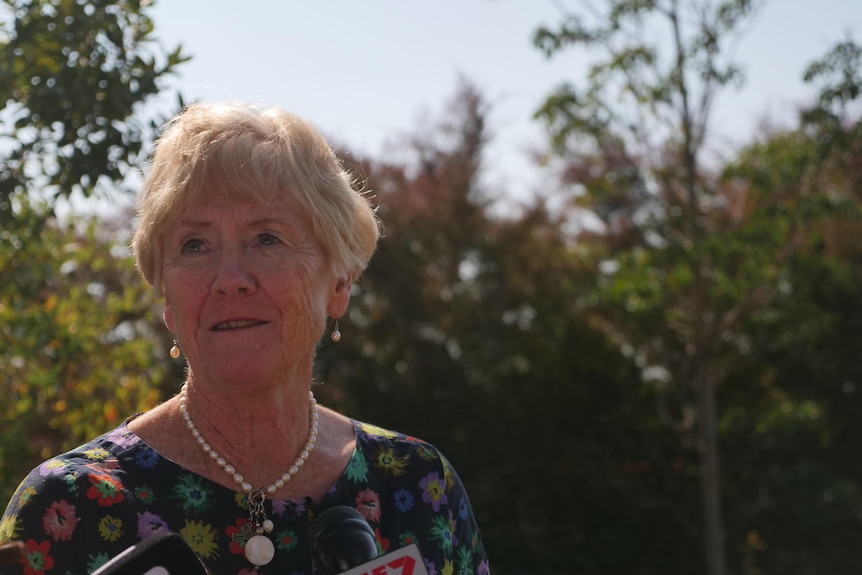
111 528
76 511
37 558
60 520
105 489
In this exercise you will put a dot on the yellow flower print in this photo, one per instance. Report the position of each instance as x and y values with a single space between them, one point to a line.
241 500
447 473
201 538
24 497
386 460
448 568
426 452
9 528
96 454
378 431
110 528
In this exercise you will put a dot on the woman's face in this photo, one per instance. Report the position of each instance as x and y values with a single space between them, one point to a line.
247 291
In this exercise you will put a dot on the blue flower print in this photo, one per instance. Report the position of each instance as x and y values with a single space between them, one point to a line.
403 500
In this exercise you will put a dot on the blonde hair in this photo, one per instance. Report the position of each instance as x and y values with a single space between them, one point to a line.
267 155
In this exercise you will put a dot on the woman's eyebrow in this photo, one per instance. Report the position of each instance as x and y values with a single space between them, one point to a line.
194 224
273 223
265 222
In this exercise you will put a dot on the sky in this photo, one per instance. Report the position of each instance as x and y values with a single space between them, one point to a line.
368 71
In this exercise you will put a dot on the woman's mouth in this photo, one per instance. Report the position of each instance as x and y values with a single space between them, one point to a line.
236 324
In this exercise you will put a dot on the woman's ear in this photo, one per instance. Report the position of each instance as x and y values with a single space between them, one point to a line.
340 297
168 317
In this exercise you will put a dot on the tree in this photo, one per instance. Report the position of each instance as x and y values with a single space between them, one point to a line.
704 269
76 354
681 274
807 340
73 78
467 331
78 328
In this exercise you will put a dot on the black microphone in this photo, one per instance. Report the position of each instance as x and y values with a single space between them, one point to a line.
342 542
12 552
159 554
341 538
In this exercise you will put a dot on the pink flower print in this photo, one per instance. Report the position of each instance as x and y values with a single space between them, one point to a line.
60 520
368 503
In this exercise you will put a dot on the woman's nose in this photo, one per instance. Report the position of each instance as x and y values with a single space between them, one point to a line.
233 277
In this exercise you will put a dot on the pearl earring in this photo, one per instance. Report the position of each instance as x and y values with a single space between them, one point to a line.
175 350
336 334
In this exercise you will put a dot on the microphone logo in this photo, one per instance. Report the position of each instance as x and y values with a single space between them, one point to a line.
404 561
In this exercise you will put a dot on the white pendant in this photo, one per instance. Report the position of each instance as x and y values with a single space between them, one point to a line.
259 550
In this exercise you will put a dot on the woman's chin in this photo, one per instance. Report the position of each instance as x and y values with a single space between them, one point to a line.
238 370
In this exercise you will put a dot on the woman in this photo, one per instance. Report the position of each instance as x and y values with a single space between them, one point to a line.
253 232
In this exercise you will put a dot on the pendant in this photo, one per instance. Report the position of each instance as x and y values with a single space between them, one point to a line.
259 550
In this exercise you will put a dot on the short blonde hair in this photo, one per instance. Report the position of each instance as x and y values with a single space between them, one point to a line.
268 155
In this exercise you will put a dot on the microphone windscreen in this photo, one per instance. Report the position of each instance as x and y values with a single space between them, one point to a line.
160 554
12 552
341 538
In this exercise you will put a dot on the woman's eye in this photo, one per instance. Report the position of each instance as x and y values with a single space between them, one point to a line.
268 239
191 246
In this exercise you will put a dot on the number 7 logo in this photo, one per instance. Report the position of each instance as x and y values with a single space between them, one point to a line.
404 561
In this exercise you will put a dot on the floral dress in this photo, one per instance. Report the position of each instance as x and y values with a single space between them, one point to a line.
78 510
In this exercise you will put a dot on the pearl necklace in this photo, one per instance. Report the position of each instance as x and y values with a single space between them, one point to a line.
259 550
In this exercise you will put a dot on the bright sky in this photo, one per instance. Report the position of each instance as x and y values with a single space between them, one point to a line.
365 71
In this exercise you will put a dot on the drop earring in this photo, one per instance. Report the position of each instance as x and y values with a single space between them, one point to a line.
175 350
335 335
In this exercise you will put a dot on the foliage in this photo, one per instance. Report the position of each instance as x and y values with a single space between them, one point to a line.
633 137
77 330
695 263
73 77
468 331
77 338
809 371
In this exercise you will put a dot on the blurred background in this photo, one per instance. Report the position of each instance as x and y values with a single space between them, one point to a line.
619 280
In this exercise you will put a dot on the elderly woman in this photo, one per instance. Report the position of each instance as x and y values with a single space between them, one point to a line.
253 232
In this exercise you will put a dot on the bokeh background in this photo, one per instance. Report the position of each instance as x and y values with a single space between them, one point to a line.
619 280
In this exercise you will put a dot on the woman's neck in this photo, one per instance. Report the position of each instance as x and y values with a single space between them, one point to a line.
259 431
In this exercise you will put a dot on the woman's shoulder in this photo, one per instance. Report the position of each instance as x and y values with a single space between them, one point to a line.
100 454
56 483
408 491
373 435
394 453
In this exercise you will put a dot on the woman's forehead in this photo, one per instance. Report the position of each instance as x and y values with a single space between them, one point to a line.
240 214
211 189
249 212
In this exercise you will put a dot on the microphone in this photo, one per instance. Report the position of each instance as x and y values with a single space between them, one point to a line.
12 552
159 554
343 543
341 538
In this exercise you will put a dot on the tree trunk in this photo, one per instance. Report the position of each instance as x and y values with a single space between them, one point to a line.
710 473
